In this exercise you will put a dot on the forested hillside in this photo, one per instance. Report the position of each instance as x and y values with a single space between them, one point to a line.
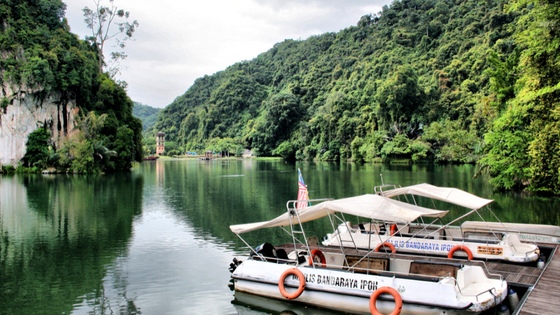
423 79
41 58
146 113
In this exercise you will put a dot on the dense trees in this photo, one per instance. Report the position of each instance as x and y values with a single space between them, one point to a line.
448 80
146 113
38 52
524 142
396 72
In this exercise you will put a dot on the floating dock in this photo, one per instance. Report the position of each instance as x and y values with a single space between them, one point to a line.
542 286
544 297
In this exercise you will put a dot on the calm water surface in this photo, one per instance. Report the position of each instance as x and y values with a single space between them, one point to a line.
157 240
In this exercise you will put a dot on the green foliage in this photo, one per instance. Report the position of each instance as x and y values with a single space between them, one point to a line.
281 113
507 158
285 150
146 113
82 157
464 70
451 143
333 96
124 145
4 103
37 148
7 169
399 97
39 52
524 145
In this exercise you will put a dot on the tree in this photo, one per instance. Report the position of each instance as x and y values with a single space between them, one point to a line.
124 145
524 142
37 147
100 21
399 97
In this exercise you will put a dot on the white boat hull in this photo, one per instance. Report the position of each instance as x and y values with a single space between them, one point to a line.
540 233
350 292
510 248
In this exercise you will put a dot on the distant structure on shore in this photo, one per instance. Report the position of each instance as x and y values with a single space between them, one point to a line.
160 143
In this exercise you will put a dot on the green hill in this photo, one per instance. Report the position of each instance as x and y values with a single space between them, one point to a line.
44 65
343 95
423 79
146 113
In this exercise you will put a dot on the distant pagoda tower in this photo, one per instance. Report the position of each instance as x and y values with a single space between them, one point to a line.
160 143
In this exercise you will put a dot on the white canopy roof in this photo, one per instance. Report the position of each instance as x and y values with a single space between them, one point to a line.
451 195
367 206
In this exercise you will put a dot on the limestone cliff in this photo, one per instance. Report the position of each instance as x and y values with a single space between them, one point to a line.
28 110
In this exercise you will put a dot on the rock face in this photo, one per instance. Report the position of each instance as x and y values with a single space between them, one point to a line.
27 111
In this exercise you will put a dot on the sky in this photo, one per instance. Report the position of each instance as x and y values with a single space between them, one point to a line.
179 41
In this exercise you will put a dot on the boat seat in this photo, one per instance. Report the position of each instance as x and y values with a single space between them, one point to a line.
368 263
435 268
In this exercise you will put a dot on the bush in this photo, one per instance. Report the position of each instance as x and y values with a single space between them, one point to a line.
8 169
172 152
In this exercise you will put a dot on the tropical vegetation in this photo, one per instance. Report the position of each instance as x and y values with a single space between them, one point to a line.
461 81
146 113
39 53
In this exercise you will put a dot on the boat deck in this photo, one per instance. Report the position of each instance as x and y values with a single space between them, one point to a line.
544 299
519 275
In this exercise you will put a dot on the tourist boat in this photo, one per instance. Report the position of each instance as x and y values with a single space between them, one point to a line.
151 158
533 233
360 281
405 236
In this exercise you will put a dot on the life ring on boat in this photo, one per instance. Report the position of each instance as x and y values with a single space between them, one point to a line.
317 253
377 293
394 229
301 287
460 247
393 250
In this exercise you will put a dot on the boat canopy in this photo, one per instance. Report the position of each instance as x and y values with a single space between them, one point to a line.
368 206
452 195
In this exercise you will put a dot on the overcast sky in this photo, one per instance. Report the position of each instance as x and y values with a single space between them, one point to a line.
179 41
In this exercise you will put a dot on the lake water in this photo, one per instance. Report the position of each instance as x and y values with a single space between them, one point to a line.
157 240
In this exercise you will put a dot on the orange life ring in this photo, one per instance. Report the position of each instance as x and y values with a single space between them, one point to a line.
377 293
460 247
388 245
319 254
394 229
301 287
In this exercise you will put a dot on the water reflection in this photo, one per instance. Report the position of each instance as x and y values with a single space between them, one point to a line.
245 303
157 241
58 233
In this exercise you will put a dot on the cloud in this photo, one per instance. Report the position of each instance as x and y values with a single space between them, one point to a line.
179 41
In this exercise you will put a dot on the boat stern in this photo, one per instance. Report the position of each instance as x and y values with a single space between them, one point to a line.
520 252
484 293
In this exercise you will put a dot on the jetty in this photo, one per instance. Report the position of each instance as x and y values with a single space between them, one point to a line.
543 298
538 289
208 155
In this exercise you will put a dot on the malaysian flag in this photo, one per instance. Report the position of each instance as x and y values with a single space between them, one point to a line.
302 192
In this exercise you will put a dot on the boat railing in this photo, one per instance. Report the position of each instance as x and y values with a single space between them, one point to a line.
291 207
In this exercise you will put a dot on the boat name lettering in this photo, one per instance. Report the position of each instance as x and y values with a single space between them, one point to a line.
485 250
529 237
339 281
421 245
